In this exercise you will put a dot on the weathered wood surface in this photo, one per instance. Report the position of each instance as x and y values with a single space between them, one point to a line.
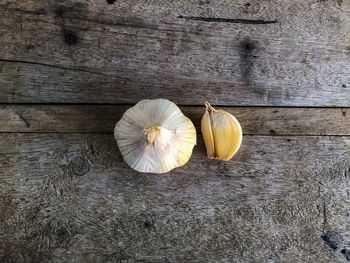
71 198
95 52
102 119
66 195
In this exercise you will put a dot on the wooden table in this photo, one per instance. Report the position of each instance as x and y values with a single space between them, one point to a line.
70 68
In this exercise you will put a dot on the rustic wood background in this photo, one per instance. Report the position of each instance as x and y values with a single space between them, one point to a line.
70 68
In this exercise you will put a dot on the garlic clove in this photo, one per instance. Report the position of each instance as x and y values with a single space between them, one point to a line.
154 136
222 133
208 135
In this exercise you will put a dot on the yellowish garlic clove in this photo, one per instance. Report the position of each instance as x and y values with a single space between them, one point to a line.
154 136
221 132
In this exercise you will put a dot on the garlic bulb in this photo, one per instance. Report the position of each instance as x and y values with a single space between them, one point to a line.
154 136
222 133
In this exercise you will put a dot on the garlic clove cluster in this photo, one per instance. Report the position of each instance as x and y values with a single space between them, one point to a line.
154 136
221 132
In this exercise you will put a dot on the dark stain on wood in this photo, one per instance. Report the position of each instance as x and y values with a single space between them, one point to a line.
70 37
79 166
64 11
30 46
332 239
247 58
59 231
204 2
272 132
59 11
146 223
306 61
346 253
347 50
228 20
69 9
251 7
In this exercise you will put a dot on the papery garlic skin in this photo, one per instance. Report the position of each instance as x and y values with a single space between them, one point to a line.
154 136
221 132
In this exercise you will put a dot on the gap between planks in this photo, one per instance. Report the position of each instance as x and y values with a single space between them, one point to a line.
272 121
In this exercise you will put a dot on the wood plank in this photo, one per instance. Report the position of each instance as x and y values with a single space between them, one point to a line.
71 196
102 119
93 52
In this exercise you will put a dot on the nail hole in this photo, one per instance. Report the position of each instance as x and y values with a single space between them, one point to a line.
30 46
248 45
147 224
70 37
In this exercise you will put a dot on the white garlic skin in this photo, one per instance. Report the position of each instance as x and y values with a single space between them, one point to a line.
154 136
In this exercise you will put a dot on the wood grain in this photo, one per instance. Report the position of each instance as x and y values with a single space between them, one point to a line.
70 197
70 68
95 52
102 119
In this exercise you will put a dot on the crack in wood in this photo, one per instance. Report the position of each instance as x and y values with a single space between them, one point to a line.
21 23
229 20
138 24
132 24
13 93
23 119
40 11
50 65
325 222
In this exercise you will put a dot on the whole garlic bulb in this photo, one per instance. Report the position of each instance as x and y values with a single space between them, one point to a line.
222 133
154 136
